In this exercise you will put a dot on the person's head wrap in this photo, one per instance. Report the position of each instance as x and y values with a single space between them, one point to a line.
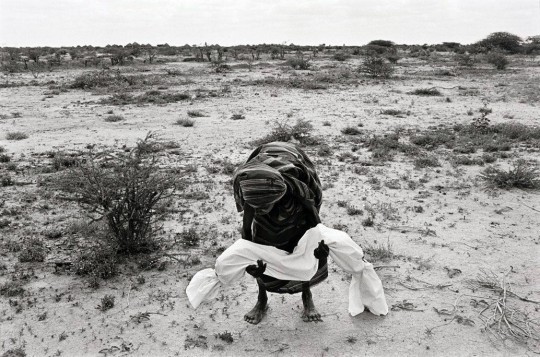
261 185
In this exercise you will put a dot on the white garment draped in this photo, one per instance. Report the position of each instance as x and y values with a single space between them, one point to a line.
365 290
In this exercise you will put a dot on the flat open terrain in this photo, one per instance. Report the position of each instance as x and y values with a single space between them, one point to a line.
454 255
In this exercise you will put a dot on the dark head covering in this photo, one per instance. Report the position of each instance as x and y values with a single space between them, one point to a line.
261 185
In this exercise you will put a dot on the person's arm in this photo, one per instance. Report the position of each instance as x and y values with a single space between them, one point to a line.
312 213
249 213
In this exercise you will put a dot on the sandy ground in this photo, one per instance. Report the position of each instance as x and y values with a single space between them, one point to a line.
433 311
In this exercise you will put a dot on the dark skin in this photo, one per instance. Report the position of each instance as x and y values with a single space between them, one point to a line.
256 314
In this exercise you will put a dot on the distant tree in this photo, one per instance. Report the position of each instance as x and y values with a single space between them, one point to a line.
134 49
498 60
220 52
118 55
34 54
532 45
503 41
383 43
452 45
74 54
150 53
375 66
13 53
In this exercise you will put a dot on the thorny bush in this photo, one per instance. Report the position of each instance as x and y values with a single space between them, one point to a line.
124 190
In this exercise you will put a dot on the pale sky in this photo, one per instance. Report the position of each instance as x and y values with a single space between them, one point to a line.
230 22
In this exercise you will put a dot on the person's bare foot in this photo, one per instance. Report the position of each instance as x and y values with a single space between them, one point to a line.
257 313
310 313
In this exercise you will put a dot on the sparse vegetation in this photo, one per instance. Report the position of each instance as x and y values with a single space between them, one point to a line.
426 92
33 251
299 63
185 122
114 118
238 116
149 97
16 135
11 289
448 176
100 262
124 193
426 161
283 131
107 303
379 252
498 60
195 114
377 67
351 130
520 175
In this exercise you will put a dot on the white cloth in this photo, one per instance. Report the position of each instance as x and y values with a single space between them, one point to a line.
365 290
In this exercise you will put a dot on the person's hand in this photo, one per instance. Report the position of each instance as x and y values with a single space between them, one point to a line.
321 251
256 271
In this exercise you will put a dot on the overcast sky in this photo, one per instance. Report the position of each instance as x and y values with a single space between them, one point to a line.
229 22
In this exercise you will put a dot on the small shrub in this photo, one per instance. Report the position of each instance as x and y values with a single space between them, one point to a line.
195 114
228 167
375 66
382 154
16 135
11 289
100 263
125 192
488 158
368 222
393 58
521 175
498 60
324 150
61 161
189 238
482 123
104 79
465 60
341 56
497 145
299 63
379 252
393 184
33 251
149 97
107 303
426 92
351 130
426 161
15 352
238 116
6 180
114 118
431 140
282 131
354 211
393 112
225 336
466 160
185 122
5 158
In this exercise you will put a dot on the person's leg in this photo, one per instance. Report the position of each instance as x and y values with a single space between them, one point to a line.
310 312
257 313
